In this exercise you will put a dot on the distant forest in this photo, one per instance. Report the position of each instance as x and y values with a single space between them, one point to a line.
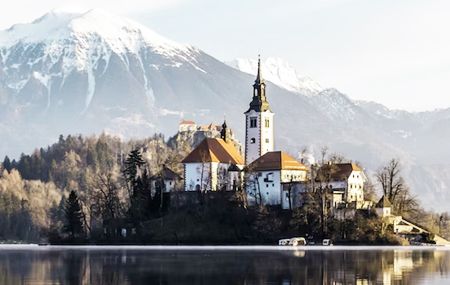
86 189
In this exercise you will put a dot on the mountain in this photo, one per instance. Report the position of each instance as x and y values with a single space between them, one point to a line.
279 72
94 72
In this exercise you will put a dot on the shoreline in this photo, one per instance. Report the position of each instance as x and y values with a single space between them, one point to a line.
218 247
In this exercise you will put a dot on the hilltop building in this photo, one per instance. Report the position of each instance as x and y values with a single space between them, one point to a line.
193 134
187 126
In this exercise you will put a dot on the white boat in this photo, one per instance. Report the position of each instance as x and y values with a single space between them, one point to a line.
284 242
295 241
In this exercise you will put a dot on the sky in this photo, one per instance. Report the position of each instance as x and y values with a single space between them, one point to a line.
393 52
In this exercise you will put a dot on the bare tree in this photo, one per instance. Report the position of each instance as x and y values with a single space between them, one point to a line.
394 188
289 191
204 161
252 182
107 189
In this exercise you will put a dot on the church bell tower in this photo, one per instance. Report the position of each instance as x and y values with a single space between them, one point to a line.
259 137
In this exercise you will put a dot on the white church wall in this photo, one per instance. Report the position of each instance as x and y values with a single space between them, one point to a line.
293 175
252 137
267 136
269 186
195 179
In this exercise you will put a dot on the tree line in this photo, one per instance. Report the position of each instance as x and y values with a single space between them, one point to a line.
87 189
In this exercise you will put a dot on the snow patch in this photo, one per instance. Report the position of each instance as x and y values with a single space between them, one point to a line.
279 72
43 78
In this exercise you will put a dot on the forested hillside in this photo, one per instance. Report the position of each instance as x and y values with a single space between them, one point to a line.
33 189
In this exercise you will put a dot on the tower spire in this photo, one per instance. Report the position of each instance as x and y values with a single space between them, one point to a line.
224 133
258 75
259 101
259 137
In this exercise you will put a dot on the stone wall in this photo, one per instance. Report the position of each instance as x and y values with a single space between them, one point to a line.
179 199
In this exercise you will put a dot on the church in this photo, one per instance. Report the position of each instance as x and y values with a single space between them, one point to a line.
269 177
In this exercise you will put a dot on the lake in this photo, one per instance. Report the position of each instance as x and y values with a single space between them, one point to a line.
223 265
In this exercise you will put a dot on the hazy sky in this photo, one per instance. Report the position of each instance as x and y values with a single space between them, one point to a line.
396 52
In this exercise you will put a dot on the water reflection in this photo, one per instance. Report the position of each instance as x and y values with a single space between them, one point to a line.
223 267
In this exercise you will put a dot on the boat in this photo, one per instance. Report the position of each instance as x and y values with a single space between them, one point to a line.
295 241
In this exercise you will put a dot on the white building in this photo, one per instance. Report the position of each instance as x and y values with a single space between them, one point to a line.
187 126
259 137
383 208
275 178
215 164
345 181
167 179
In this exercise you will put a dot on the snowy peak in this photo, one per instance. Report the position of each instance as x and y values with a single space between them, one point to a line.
51 52
279 72
120 33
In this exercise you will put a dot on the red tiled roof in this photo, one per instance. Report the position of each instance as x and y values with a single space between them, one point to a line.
276 160
214 150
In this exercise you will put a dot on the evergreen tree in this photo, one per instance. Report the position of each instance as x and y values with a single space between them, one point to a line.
138 183
74 217
7 164
133 165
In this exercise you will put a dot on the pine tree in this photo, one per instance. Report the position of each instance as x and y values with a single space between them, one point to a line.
133 165
138 182
7 164
74 217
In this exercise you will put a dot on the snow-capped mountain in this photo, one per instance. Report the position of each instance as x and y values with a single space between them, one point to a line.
68 73
54 50
279 72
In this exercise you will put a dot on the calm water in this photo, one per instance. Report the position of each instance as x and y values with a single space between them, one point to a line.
218 265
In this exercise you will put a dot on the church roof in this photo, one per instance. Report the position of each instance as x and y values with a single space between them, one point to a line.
215 150
187 122
167 174
383 203
339 171
276 160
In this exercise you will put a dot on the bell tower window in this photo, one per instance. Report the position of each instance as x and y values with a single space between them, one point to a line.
267 123
253 122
